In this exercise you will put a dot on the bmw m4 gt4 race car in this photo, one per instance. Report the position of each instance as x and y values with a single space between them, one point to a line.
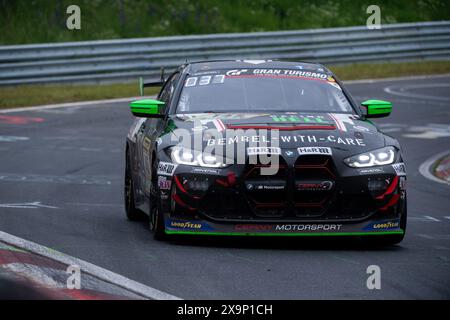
263 148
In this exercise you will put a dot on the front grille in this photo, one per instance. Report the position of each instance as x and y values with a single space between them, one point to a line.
309 197
267 194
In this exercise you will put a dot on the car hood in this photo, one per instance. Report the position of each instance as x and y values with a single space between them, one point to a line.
346 132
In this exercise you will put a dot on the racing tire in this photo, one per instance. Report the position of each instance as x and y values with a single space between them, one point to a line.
132 213
156 222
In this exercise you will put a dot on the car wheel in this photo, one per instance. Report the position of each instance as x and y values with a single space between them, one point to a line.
156 219
131 211
156 223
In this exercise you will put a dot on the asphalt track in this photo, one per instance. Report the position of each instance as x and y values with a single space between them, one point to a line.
61 173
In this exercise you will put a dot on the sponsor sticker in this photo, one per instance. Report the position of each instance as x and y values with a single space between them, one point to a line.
263 150
269 187
188 225
166 168
164 183
383 225
287 139
329 139
399 168
253 227
236 72
299 118
185 225
205 170
314 150
308 227
371 170
314 185
290 72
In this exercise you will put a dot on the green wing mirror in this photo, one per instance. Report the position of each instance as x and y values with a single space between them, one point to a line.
148 108
377 108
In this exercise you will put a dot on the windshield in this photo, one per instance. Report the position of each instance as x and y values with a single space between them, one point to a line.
247 90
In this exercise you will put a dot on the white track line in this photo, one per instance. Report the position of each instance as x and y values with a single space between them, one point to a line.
397 91
89 268
424 168
432 218
408 78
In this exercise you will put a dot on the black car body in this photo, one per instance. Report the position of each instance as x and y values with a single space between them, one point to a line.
196 161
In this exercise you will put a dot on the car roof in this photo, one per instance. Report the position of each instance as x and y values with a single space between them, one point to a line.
199 66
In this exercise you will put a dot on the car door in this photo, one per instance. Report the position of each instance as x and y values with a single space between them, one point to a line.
149 133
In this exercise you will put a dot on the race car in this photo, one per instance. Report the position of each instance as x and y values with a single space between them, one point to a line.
263 148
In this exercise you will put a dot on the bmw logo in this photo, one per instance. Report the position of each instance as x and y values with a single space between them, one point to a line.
289 153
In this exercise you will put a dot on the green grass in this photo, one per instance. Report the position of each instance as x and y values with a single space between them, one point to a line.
30 21
21 96
388 70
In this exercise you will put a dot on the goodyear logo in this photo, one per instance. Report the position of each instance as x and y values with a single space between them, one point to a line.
185 225
383 225
386 225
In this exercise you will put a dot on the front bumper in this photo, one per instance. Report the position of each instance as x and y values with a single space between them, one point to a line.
238 201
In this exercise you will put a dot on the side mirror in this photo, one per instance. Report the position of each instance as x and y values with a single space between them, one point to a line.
148 108
377 108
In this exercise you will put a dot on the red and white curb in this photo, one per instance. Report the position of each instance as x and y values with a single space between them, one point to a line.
440 172
46 264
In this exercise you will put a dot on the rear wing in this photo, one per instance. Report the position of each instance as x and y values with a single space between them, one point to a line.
143 84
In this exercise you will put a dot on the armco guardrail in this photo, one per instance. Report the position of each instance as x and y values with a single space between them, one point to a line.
124 60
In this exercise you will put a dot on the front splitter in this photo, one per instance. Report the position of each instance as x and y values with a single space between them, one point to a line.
201 227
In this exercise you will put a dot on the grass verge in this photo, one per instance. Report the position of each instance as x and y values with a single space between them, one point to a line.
22 96
388 70
32 95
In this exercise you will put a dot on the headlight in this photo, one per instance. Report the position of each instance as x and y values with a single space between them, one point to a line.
196 158
379 157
